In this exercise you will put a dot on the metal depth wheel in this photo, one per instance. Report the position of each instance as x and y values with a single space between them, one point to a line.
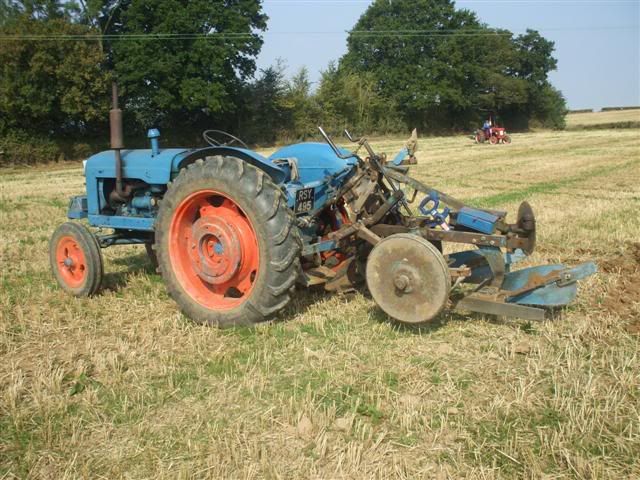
408 278
76 259
226 245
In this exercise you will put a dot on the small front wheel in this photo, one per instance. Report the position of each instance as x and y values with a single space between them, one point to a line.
506 139
76 259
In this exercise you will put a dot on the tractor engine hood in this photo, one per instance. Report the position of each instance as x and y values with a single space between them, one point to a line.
161 167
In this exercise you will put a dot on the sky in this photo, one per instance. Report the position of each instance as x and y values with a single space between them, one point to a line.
597 41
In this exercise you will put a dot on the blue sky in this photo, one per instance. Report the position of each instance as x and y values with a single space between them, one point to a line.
598 61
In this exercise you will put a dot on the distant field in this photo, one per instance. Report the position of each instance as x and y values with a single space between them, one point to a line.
602 118
122 385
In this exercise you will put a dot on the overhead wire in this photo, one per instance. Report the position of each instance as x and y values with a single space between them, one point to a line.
433 33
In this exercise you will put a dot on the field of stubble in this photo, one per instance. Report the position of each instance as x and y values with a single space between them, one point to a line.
122 385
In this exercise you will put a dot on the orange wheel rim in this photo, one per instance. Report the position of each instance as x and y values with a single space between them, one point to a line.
71 262
213 250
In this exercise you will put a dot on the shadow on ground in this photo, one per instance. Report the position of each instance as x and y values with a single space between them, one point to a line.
137 263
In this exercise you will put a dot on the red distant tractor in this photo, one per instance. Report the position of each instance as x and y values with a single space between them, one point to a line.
497 135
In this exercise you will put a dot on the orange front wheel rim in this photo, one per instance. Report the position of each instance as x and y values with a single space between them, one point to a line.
71 262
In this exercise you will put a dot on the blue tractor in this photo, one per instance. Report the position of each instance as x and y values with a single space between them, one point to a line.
233 232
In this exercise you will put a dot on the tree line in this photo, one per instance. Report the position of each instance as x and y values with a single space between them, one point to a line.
185 66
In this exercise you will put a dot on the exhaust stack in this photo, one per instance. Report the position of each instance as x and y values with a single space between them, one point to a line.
117 143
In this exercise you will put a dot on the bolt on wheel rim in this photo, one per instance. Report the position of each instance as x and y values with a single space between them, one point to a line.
71 262
213 250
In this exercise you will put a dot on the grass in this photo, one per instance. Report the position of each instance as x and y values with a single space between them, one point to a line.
122 385
613 119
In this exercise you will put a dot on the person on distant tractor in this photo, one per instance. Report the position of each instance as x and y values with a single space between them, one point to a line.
486 128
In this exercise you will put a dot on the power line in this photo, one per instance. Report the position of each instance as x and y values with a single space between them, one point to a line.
246 35
504 2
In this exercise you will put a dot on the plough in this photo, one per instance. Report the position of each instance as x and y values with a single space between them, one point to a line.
232 232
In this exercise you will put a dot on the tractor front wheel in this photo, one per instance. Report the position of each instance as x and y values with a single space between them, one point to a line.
227 246
506 139
76 259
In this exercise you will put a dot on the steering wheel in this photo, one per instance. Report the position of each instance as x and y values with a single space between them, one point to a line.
209 136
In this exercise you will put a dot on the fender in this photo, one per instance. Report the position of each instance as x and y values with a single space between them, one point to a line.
278 175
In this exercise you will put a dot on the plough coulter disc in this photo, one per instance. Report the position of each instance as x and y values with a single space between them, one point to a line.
408 278
527 222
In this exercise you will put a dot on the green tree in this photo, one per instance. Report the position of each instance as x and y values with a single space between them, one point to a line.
304 111
546 105
442 67
182 80
50 87
535 55
266 109
352 100
426 73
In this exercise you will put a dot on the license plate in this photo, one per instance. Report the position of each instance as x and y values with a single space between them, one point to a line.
304 200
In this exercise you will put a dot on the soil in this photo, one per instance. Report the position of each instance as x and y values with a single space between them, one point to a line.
623 297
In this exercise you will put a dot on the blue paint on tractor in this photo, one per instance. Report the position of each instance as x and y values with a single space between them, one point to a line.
317 167
156 168
153 134
478 220
316 162
554 294
313 177
402 154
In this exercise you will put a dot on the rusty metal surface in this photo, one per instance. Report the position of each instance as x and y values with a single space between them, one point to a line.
365 234
317 275
345 278
115 120
322 246
479 239
408 278
527 222
421 187
476 302
348 230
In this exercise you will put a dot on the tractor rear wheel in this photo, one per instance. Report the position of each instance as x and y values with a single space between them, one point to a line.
227 246
76 259
493 140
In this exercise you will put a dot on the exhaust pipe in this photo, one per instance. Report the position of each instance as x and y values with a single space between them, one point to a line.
117 144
